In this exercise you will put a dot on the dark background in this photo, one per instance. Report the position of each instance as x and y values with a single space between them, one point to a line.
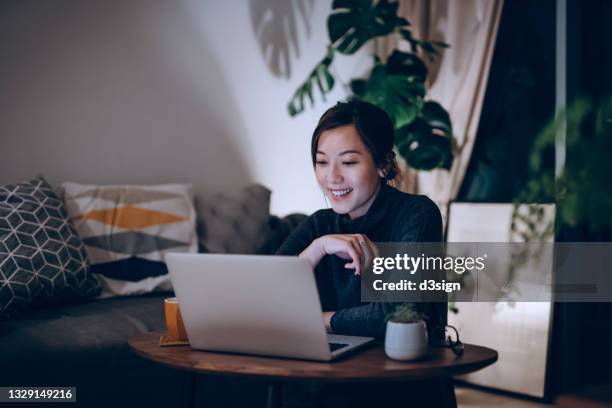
519 102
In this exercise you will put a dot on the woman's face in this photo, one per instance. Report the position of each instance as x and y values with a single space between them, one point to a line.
346 171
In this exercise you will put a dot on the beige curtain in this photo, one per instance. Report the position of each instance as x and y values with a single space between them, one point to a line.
457 79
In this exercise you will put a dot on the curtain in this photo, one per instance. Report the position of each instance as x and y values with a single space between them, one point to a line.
457 80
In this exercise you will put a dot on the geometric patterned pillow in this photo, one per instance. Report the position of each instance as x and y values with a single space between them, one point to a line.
41 256
127 230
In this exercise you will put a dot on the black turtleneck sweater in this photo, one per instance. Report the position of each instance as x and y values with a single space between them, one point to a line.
393 217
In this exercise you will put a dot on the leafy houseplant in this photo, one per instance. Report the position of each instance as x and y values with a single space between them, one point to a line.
406 335
583 191
423 128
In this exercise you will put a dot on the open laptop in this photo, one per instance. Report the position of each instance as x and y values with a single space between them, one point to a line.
253 304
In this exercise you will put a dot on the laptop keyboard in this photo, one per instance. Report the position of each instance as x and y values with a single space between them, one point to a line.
336 346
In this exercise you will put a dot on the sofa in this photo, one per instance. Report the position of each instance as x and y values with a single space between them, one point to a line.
83 343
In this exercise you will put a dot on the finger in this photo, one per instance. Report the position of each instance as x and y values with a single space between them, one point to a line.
361 256
366 252
373 249
352 249
351 266
364 249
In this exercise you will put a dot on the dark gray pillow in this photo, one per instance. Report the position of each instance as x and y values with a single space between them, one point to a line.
41 256
234 222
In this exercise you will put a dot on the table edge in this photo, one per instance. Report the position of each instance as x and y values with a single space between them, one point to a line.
435 372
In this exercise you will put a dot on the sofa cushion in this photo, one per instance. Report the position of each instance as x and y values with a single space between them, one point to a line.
234 222
41 256
99 325
85 345
127 230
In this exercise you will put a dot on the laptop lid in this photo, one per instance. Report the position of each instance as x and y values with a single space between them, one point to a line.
250 304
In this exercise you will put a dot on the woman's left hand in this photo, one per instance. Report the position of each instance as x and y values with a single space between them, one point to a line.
356 247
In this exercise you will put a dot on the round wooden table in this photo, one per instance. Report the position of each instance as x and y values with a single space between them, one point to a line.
370 364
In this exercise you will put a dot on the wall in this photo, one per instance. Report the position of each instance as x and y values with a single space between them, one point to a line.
152 91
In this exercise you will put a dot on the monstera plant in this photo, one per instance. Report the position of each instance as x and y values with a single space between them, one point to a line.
423 128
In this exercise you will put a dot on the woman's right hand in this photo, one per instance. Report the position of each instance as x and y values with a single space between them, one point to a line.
355 247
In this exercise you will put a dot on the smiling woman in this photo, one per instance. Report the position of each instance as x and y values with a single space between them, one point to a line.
353 159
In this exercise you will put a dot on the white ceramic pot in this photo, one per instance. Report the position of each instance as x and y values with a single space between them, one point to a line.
406 341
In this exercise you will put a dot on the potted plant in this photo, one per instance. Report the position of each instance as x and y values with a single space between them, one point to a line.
406 336
397 85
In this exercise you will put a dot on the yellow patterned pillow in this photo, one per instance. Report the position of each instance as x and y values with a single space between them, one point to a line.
127 229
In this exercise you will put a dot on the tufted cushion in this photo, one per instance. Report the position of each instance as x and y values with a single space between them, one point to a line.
41 256
234 222
127 229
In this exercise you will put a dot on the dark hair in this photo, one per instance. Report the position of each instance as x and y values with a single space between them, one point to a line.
373 126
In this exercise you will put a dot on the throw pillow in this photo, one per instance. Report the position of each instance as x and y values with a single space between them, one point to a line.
127 229
41 255
234 222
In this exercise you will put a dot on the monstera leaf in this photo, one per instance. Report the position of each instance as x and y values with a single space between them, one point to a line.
430 47
426 142
355 22
403 63
319 77
397 87
437 117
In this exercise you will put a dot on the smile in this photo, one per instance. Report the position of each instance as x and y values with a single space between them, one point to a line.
340 193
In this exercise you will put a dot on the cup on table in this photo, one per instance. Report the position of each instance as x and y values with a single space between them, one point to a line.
174 320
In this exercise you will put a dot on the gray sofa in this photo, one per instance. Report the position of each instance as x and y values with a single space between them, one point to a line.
85 345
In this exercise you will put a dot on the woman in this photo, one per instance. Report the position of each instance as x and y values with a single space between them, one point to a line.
353 159
352 154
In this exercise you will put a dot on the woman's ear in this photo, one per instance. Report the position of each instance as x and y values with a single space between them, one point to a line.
382 172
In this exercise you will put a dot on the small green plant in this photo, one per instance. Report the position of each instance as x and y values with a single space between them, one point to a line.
405 313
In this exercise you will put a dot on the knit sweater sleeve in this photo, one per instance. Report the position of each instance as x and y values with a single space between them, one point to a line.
366 320
301 237
425 225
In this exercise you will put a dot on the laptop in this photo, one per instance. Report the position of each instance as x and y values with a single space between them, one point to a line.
253 304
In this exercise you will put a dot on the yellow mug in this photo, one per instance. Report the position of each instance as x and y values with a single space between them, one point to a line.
174 320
